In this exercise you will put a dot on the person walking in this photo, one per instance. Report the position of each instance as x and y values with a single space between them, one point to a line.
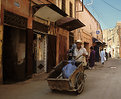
102 55
92 58
106 54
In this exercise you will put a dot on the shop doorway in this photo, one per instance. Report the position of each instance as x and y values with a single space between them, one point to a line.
39 56
14 54
51 52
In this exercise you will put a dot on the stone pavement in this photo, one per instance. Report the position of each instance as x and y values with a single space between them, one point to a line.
104 82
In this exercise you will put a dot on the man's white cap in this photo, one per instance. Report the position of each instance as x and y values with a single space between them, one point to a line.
78 41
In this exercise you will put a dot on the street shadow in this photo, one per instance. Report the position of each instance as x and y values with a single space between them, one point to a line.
68 93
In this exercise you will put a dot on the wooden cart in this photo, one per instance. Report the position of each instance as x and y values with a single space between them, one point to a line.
75 82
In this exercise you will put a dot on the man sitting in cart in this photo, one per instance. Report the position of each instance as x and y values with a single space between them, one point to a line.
80 53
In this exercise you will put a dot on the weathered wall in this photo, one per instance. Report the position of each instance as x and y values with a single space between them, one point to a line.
64 33
20 7
111 38
119 33
91 26
59 4
91 23
44 1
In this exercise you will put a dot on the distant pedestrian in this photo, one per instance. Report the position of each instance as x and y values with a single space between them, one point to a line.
106 54
97 55
102 55
92 58
110 54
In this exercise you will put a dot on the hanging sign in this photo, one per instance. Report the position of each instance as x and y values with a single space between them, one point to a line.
97 32
17 4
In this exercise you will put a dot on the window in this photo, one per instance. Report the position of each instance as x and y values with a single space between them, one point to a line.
71 12
63 5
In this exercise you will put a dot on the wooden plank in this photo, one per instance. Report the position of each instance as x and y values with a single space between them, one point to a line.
51 52
62 48
29 53
59 84
1 39
72 77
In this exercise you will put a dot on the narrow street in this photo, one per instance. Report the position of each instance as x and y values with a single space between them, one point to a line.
104 82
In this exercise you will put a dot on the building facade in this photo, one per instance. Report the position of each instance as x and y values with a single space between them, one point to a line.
29 39
111 38
35 36
68 6
14 37
119 33
87 32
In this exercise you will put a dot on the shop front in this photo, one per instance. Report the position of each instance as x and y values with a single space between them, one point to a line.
14 47
39 46
45 36
69 25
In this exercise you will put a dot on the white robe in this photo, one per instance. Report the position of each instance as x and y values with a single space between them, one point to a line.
102 55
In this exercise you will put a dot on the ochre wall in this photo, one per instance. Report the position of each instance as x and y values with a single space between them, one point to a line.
65 33
23 8
9 5
59 4
91 24
44 1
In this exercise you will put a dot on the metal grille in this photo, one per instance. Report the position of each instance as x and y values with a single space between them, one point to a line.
14 19
40 27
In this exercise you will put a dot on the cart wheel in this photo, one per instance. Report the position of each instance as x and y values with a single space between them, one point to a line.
79 82
81 88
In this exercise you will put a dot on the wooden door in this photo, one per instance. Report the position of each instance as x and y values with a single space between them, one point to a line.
51 52
14 50
62 48
29 53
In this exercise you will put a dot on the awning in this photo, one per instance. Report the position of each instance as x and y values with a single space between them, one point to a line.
48 12
104 44
69 23
96 41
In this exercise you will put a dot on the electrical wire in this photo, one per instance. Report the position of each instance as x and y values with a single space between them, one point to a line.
99 15
111 6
